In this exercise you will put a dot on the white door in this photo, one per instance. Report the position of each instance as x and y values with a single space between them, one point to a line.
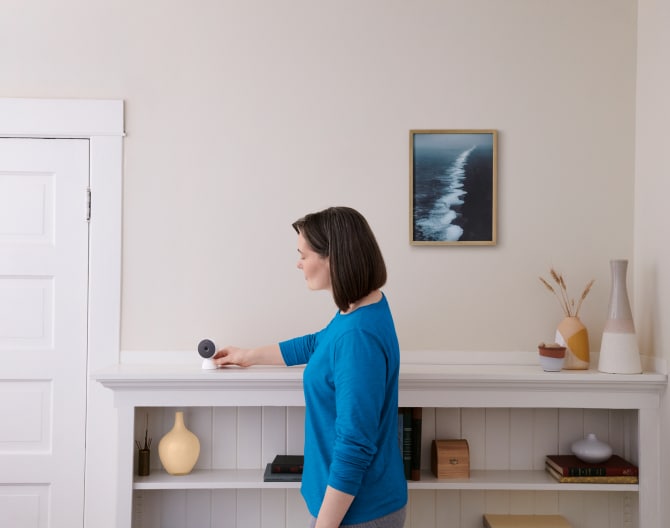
43 331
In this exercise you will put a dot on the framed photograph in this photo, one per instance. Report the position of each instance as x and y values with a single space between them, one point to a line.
453 187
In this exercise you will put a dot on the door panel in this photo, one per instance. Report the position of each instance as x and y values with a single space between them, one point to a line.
24 506
25 318
43 331
25 416
26 202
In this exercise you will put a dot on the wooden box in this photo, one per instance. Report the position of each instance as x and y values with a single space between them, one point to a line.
525 521
450 459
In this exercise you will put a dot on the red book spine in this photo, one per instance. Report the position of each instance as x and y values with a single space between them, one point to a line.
571 466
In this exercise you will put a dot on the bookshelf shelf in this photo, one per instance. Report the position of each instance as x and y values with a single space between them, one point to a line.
514 392
479 480
520 480
210 479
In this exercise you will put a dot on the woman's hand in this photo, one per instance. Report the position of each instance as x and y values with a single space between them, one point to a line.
246 357
232 355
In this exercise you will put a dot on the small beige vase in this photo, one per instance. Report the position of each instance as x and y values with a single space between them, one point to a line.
179 449
572 334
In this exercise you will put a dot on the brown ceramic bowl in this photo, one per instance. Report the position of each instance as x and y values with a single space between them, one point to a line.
552 351
551 357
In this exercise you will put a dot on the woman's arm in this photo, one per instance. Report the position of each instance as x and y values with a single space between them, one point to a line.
333 508
246 357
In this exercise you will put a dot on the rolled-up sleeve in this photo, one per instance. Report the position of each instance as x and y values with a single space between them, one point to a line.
360 386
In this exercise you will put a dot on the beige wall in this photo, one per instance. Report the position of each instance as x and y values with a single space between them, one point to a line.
652 188
242 116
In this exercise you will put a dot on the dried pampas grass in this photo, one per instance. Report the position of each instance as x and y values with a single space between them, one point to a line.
568 305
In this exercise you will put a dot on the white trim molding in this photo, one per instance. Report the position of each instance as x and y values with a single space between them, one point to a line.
56 118
101 122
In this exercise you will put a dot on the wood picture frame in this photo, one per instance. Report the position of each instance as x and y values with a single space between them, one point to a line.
453 187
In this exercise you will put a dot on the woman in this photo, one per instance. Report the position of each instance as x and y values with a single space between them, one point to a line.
353 473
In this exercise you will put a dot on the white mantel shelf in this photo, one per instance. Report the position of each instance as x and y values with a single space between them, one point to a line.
423 383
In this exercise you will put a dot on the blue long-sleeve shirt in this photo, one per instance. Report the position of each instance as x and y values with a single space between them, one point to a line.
351 419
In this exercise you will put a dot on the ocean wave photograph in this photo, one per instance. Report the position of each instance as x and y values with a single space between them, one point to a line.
453 182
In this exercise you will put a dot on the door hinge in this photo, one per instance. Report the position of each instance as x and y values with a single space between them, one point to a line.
88 204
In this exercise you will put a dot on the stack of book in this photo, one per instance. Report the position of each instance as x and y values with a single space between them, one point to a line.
284 468
569 468
409 440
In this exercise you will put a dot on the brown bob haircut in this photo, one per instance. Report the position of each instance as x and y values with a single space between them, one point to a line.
343 235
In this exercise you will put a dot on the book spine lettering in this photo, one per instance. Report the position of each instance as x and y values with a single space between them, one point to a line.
407 441
586 472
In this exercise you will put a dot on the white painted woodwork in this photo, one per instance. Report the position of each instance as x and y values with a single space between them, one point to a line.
43 334
511 414
99 125
25 505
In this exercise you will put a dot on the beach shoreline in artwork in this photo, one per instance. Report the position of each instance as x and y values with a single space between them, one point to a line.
453 194
477 209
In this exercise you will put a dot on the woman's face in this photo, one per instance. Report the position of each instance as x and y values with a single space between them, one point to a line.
315 267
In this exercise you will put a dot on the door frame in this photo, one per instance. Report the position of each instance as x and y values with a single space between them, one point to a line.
102 123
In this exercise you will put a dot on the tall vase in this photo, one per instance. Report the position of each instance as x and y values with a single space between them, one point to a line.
619 353
179 449
572 334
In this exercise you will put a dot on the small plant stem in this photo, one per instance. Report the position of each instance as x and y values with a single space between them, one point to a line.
564 293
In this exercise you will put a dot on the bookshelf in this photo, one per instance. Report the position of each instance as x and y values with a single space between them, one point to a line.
505 402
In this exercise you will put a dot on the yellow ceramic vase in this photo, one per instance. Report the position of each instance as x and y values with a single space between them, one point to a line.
572 334
179 449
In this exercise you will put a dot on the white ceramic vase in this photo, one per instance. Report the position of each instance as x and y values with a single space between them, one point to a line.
591 450
619 353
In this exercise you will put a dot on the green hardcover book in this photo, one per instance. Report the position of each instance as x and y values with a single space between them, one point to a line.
407 441
415 463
